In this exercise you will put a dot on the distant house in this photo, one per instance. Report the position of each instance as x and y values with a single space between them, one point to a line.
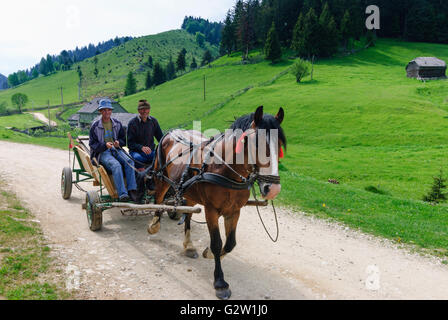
87 114
426 68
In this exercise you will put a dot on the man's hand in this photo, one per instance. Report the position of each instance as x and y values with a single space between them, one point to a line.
109 145
116 144
146 150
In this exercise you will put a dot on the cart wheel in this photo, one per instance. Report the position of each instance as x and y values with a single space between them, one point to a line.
94 214
174 215
66 183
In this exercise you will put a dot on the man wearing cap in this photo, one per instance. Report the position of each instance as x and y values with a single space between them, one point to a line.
106 137
141 133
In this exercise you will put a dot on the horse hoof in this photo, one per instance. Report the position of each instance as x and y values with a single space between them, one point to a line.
207 254
191 253
223 294
153 228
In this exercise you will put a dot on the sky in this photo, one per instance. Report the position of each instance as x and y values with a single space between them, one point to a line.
31 29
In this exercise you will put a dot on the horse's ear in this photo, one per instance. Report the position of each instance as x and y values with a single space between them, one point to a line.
258 116
280 115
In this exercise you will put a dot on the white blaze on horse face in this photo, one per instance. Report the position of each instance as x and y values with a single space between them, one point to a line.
272 160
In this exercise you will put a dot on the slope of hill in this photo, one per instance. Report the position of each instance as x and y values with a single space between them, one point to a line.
113 67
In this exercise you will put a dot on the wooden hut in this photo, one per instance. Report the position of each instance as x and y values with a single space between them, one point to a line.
426 68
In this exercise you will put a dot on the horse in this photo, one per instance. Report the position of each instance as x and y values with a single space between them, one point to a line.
227 187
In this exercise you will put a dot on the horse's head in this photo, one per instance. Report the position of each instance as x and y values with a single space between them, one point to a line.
262 140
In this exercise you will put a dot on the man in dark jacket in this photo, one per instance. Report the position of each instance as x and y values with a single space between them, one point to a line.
106 137
141 133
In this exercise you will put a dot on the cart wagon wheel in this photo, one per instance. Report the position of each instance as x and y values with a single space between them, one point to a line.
66 183
94 214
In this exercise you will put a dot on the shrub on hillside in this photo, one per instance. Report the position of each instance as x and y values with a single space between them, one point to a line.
300 69
436 194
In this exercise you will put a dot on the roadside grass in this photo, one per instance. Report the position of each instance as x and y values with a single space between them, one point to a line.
19 121
27 272
52 142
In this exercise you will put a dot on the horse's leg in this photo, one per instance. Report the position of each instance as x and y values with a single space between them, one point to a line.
230 223
190 250
221 287
161 189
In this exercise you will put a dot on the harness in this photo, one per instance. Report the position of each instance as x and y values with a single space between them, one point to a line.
200 175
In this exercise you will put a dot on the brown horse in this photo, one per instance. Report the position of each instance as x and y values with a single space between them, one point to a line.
235 156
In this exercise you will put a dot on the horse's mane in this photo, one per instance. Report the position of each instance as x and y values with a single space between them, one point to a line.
268 122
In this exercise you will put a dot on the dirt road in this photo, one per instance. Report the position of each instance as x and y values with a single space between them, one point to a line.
313 259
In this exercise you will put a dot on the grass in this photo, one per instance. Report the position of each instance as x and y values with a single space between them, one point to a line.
26 270
19 121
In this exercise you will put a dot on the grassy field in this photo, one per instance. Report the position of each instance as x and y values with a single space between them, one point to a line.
26 270
113 67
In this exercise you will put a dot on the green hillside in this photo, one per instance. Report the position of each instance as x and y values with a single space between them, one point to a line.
113 67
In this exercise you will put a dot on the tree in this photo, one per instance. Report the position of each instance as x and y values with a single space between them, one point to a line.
50 65
329 33
19 100
193 65
79 71
272 49
297 35
180 62
131 85
436 194
206 58
300 69
170 70
346 29
43 67
148 80
150 62
159 75
200 39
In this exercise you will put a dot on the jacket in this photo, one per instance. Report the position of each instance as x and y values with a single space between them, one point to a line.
142 134
96 137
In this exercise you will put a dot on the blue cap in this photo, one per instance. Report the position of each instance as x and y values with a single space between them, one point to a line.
105 104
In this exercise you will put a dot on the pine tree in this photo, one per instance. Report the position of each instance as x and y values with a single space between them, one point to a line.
311 34
150 62
206 58
272 49
43 67
131 85
180 62
297 35
159 75
170 70
193 65
228 35
346 29
329 33
148 80
436 194
50 65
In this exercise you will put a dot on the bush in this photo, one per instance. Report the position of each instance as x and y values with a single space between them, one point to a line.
300 69
436 195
